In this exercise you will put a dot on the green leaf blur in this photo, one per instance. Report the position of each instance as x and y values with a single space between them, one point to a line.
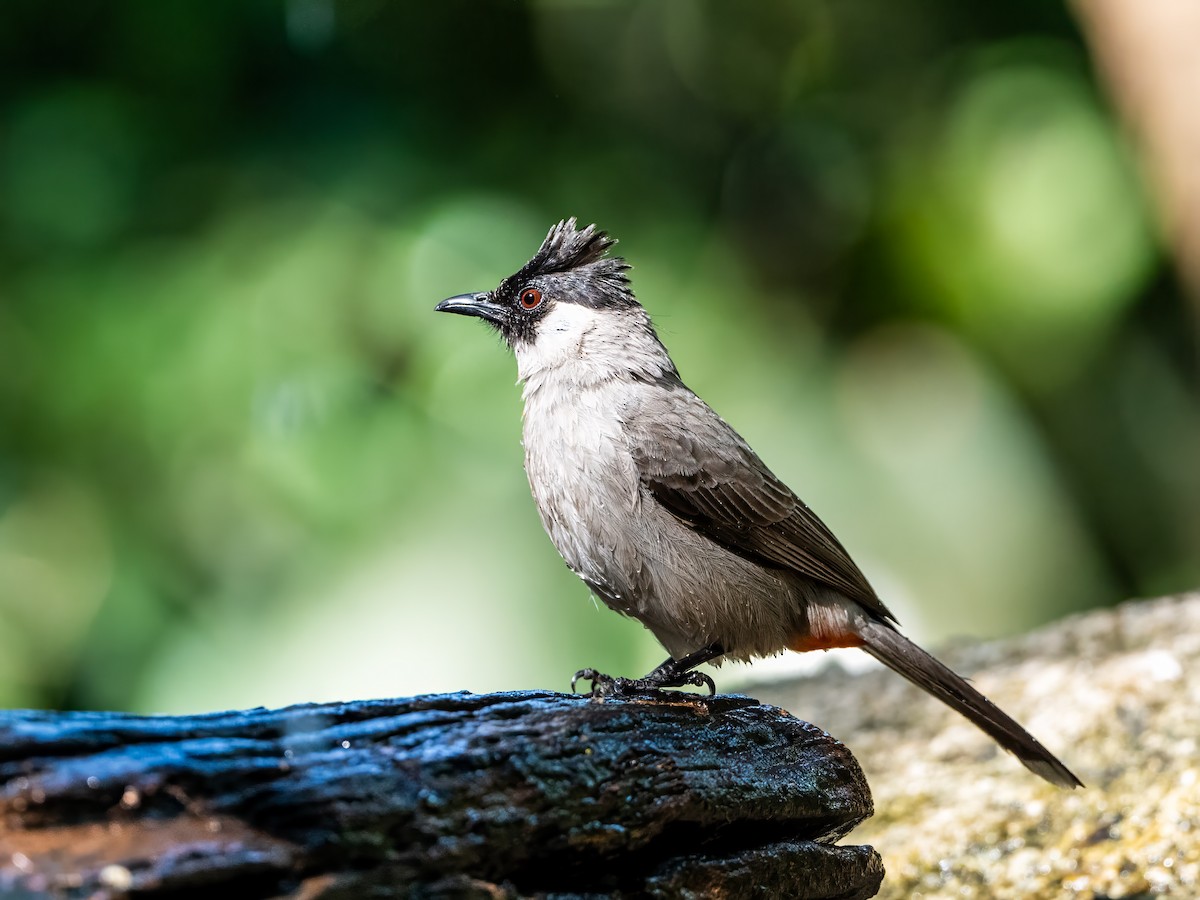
903 248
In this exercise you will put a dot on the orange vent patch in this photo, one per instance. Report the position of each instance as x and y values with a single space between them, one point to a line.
802 643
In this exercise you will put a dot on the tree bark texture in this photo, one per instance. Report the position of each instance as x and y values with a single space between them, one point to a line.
497 795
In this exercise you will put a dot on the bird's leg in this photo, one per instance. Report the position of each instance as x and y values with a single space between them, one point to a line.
672 673
678 672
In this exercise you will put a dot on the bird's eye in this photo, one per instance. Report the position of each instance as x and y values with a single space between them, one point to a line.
531 298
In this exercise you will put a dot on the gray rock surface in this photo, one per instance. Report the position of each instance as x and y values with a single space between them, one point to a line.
1115 693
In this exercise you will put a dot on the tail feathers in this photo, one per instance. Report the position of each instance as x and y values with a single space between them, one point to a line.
901 655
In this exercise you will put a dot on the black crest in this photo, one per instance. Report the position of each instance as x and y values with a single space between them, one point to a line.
568 249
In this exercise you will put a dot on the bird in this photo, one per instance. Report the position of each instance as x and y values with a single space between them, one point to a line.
664 510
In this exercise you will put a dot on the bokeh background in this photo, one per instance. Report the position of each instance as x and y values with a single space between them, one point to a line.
904 248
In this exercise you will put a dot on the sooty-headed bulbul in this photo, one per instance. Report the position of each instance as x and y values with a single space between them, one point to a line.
664 510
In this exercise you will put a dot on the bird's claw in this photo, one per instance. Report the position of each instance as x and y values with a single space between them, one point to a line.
699 679
601 683
608 686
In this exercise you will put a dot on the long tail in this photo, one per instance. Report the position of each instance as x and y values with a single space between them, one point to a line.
900 654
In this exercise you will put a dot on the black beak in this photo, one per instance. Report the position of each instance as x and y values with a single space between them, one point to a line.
474 305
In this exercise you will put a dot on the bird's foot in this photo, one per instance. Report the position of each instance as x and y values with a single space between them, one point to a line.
683 679
601 684
610 686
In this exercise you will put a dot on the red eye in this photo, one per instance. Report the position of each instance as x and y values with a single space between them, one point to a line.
530 298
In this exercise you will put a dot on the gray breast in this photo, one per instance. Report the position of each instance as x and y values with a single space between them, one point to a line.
585 487
634 554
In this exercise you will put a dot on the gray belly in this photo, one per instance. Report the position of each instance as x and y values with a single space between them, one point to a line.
642 561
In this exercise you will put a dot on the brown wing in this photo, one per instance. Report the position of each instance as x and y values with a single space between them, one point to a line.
709 478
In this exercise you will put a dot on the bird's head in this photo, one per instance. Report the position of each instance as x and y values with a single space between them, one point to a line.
570 297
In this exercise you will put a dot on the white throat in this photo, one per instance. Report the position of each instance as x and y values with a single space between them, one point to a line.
588 346
562 339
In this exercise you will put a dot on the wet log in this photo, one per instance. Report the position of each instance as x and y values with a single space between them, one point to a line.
497 795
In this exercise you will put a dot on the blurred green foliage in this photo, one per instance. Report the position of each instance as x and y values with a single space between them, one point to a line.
902 247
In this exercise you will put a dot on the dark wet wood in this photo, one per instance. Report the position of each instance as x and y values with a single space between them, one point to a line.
452 795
